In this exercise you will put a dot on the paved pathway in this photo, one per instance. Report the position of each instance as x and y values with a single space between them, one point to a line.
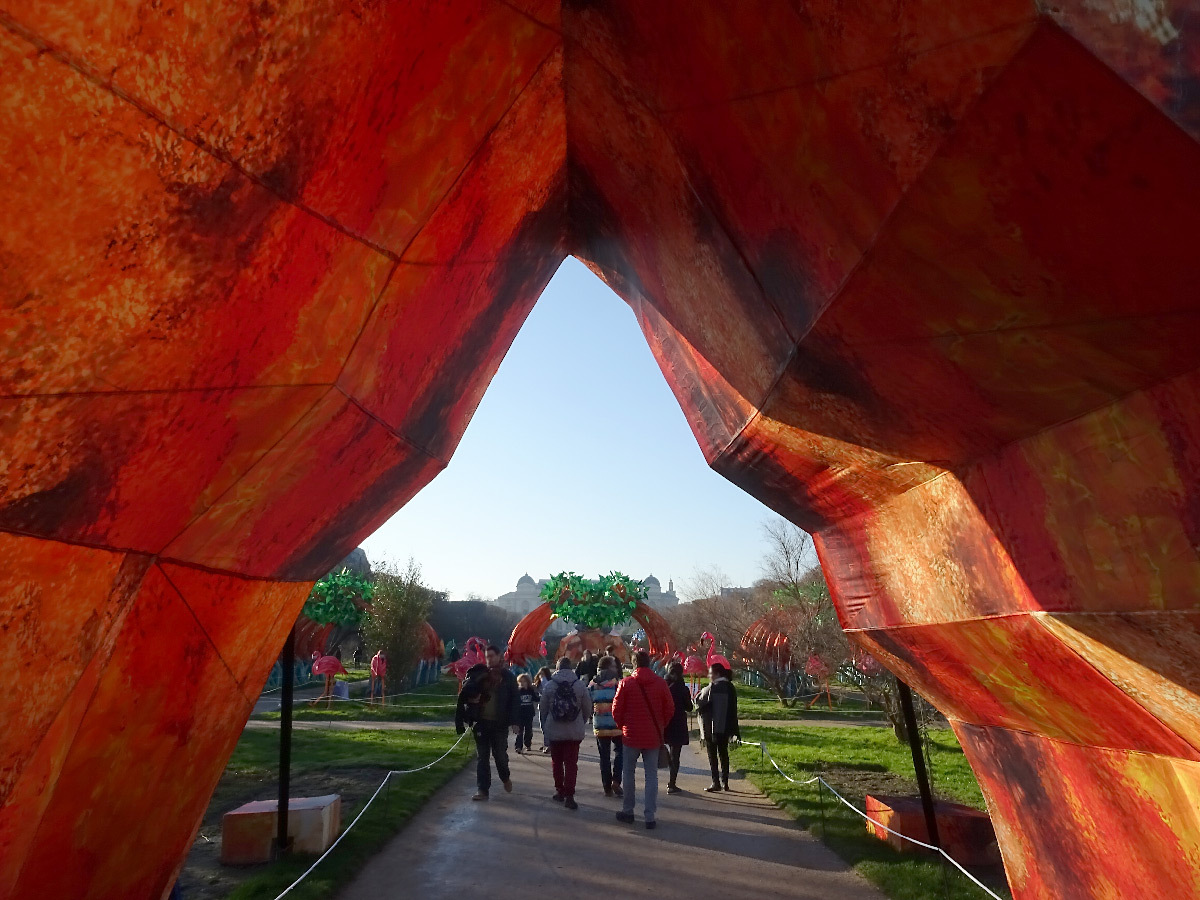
735 845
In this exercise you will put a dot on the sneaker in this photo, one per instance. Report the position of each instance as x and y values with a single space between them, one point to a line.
650 826
713 788
480 795
727 787
545 749
672 789
508 785
516 749
608 792
625 817
617 792
570 803
558 798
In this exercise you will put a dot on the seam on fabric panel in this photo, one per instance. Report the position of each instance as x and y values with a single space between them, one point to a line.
399 258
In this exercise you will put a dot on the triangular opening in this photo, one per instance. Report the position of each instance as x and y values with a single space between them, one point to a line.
578 457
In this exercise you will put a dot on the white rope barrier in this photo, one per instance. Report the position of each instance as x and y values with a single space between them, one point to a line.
767 753
390 773
297 701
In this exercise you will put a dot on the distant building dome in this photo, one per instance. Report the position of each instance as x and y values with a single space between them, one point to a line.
525 579
652 582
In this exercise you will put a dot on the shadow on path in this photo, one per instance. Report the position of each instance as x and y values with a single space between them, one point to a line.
728 844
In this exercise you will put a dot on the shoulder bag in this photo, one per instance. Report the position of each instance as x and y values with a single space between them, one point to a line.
664 752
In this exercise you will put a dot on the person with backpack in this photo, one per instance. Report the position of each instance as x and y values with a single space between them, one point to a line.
717 705
608 733
642 707
566 706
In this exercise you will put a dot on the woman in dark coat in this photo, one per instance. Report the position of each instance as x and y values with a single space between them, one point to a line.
717 704
675 735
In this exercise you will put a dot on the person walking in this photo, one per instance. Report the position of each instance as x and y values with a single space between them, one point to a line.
608 733
641 707
541 681
717 704
530 697
677 731
586 669
499 710
566 706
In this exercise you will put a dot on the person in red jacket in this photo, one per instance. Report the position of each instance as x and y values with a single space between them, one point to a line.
642 707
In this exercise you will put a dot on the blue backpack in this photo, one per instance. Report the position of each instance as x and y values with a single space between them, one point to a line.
564 705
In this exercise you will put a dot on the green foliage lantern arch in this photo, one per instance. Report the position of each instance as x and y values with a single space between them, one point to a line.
604 603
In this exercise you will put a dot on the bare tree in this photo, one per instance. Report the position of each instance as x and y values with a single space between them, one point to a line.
704 584
713 607
791 556
801 592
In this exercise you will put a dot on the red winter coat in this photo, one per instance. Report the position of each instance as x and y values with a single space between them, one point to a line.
633 714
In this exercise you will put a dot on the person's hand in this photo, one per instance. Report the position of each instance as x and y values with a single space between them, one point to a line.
460 728
516 729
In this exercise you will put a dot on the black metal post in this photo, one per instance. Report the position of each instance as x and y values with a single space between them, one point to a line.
288 661
914 744
821 802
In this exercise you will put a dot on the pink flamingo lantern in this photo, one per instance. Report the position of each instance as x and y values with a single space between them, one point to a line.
817 669
473 654
328 666
693 668
713 657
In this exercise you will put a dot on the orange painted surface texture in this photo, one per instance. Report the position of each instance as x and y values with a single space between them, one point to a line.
922 277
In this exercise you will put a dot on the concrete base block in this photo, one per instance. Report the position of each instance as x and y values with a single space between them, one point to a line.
966 833
248 832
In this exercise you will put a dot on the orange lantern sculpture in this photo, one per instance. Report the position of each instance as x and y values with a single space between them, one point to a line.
922 277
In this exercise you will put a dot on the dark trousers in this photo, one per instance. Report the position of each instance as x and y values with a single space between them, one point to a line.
676 749
718 746
490 741
610 768
565 756
526 735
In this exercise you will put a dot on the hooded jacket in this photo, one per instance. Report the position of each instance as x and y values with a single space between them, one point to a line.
574 730
636 710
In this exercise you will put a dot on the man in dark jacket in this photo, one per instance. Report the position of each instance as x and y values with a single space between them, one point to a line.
586 670
499 709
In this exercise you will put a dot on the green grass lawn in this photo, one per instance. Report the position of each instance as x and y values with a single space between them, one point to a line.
857 761
759 703
428 703
352 763
353 673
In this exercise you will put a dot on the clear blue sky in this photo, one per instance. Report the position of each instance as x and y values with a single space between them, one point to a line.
512 501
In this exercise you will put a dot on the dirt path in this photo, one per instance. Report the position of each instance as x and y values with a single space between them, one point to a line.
735 844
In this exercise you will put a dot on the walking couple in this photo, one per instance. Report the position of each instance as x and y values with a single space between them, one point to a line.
566 705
